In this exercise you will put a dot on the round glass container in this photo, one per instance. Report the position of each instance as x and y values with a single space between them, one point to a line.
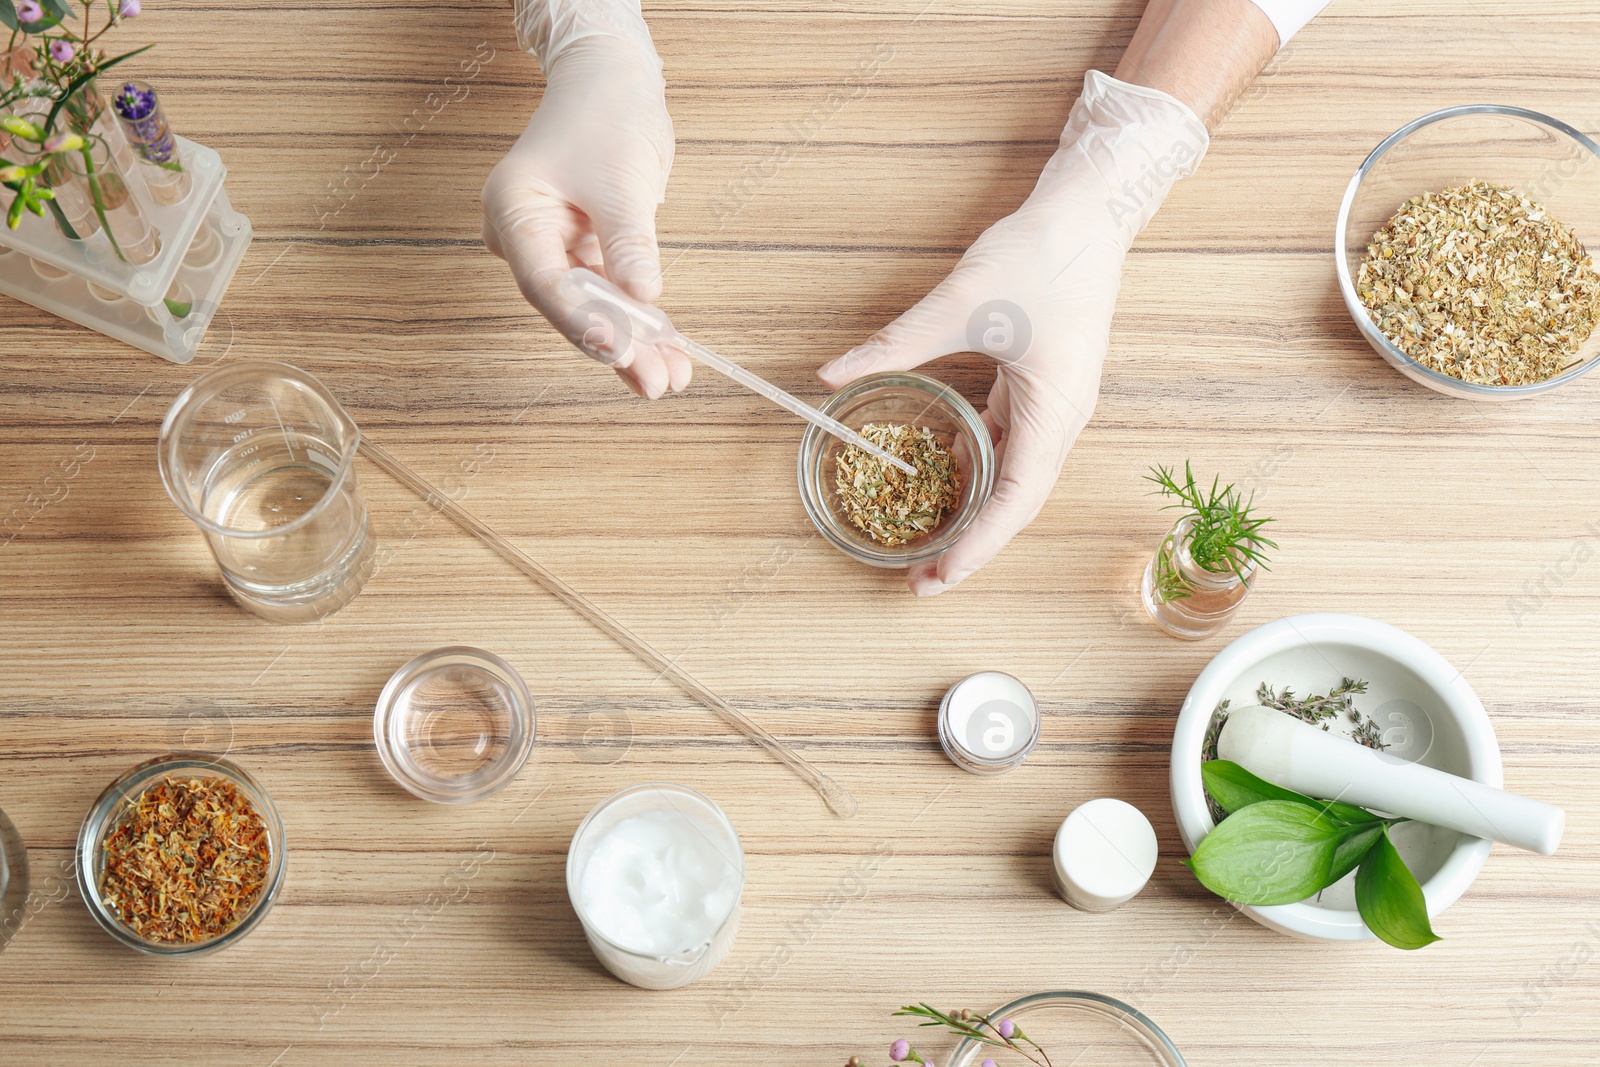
112 804
454 725
13 882
988 723
673 809
1081 1029
904 398
1541 157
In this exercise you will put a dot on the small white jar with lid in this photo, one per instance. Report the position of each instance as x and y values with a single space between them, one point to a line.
1103 855
988 723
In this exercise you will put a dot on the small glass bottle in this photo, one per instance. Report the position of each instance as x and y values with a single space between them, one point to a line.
1188 600
143 121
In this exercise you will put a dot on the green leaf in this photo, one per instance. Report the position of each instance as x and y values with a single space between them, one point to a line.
1390 900
1271 852
1234 788
180 309
1354 847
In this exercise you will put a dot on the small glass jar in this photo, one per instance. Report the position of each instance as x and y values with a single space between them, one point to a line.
455 724
1185 599
988 723
900 397
695 814
112 804
13 882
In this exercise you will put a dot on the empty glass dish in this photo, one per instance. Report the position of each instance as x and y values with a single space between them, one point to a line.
455 724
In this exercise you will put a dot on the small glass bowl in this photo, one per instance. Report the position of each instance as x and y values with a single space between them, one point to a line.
455 724
109 807
1536 154
897 397
1083 1029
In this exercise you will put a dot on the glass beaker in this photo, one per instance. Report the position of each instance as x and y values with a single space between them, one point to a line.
13 882
680 850
261 457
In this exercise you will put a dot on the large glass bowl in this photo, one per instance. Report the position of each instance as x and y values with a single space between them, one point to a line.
897 397
107 810
1538 155
1081 1029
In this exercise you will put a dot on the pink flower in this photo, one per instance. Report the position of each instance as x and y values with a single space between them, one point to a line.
61 51
29 11
129 9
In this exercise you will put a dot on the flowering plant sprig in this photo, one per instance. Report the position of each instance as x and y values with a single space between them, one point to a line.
65 59
23 180
984 1029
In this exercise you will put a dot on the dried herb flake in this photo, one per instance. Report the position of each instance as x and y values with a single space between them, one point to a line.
889 505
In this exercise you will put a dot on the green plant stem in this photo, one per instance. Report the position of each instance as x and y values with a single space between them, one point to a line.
99 200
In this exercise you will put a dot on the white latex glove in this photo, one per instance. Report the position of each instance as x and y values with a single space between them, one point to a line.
581 185
1036 291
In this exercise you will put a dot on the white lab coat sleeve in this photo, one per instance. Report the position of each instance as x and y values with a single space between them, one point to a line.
1289 15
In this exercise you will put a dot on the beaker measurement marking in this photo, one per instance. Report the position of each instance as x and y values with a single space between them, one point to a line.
235 416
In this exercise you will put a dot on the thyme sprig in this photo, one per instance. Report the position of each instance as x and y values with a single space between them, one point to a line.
1224 534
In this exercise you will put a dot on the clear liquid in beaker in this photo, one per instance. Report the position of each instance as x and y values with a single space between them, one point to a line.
271 481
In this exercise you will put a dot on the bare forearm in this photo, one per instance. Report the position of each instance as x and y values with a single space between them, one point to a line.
1204 52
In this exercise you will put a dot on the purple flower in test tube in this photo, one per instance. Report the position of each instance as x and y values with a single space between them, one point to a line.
29 11
900 1050
144 122
129 9
62 51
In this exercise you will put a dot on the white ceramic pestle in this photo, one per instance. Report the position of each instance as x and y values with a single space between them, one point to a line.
1297 755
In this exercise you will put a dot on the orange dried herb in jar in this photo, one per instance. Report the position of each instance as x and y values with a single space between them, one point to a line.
187 860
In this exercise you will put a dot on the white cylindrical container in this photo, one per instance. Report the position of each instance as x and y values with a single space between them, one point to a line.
655 873
988 723
1104 854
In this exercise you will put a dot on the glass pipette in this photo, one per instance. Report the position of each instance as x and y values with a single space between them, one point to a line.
833 794
650 325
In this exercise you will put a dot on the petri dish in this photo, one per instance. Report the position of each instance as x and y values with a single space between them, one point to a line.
454 725
1079 1028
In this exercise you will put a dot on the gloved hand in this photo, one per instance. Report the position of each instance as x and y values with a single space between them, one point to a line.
1036 291
581 185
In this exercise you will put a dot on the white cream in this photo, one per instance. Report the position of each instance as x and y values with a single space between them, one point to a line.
657 884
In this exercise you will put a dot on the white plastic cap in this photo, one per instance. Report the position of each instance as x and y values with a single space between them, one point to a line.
1104 854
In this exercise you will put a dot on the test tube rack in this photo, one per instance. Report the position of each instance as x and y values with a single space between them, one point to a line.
85 280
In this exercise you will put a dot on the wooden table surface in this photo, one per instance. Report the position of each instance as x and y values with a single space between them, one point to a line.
1231 346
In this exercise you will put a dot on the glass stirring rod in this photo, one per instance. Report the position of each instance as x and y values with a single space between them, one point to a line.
833 794
583 286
